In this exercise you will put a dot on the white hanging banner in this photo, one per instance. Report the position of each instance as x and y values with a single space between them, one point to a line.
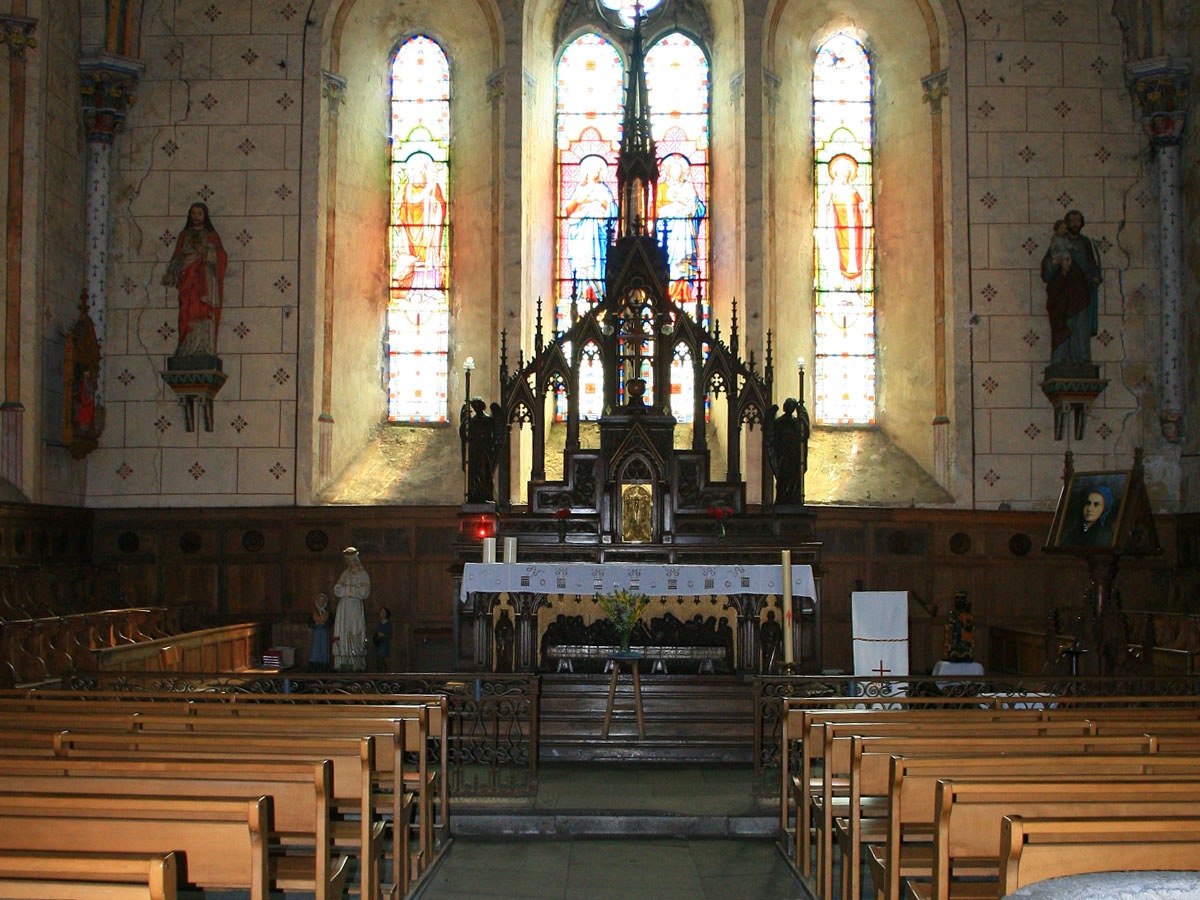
879 625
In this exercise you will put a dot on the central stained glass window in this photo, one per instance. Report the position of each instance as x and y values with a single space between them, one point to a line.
589 114
843 234
418 315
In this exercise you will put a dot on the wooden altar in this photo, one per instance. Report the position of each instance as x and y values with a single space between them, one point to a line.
634 497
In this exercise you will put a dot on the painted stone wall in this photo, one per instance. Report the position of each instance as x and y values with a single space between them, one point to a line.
217 121
62 479
1052 128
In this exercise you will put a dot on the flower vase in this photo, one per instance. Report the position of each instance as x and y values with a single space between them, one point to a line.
625 636
720 529
562 532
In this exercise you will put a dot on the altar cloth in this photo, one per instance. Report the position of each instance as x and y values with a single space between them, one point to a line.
655 580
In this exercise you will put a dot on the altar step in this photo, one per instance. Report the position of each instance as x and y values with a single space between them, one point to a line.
688 718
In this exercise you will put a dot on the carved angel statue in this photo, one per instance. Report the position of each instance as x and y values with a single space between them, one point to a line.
480 435
787 448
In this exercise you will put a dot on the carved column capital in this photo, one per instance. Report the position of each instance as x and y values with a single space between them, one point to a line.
17 32
333 89
1161 87
933 88
106 84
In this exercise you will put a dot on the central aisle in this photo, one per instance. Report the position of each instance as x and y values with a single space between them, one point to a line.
613 869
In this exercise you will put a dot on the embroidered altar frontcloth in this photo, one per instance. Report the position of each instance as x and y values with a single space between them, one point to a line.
655 580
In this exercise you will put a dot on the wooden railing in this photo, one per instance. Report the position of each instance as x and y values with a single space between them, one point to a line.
228 648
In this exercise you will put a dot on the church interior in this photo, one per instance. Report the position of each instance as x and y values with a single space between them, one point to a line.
553 425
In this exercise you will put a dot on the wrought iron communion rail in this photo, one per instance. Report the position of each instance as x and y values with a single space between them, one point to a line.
493 719
770 692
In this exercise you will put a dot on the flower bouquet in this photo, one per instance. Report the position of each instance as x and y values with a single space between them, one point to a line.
624 610
720 514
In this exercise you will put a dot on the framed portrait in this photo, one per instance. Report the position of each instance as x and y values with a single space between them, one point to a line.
1090 510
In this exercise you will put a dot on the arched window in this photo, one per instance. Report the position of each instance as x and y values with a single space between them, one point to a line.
418 234
590 99
843 234
677 87
590 102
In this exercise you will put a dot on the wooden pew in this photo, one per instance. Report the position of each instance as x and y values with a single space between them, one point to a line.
867 796
173 713
1033 850
400 733
344 752
225 840
833 798
970 816
46 875
913 788
807 726
301 795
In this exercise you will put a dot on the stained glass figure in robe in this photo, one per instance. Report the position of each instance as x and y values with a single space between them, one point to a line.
843 234
418 234
590 103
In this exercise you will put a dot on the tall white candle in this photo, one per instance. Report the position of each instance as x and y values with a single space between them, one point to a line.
789 650
510 549
489 549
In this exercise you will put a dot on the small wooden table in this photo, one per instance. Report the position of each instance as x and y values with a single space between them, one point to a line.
632 659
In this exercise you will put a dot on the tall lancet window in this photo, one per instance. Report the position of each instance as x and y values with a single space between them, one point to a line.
418 237
590 101
843 234
677 85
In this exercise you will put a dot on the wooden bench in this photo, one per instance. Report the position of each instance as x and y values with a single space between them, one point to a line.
1033 850
970 816
224 842
215 712
867 794
833 796
47 875
913 787
301 796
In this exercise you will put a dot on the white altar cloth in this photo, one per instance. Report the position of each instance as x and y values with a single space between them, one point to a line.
1115 886
656 580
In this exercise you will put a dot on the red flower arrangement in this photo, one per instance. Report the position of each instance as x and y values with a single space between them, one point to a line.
720 514
560 516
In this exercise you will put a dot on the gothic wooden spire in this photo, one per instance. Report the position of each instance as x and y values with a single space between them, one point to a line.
637 167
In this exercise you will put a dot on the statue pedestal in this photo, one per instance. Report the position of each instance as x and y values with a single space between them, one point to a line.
1072 388
195 381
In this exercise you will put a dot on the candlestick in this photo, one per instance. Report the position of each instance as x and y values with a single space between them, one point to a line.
789 650
489 549
510 549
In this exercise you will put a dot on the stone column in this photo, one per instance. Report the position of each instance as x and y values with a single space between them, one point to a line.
17 33
934 87
333 89
106 87
1160 87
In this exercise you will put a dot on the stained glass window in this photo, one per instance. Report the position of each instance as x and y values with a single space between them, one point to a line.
590 100
590 103
677 82
843 234
418 314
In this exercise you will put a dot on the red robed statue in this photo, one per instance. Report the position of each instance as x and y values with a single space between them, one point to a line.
197 270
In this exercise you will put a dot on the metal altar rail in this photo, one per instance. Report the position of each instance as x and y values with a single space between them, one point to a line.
493 727
771 691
